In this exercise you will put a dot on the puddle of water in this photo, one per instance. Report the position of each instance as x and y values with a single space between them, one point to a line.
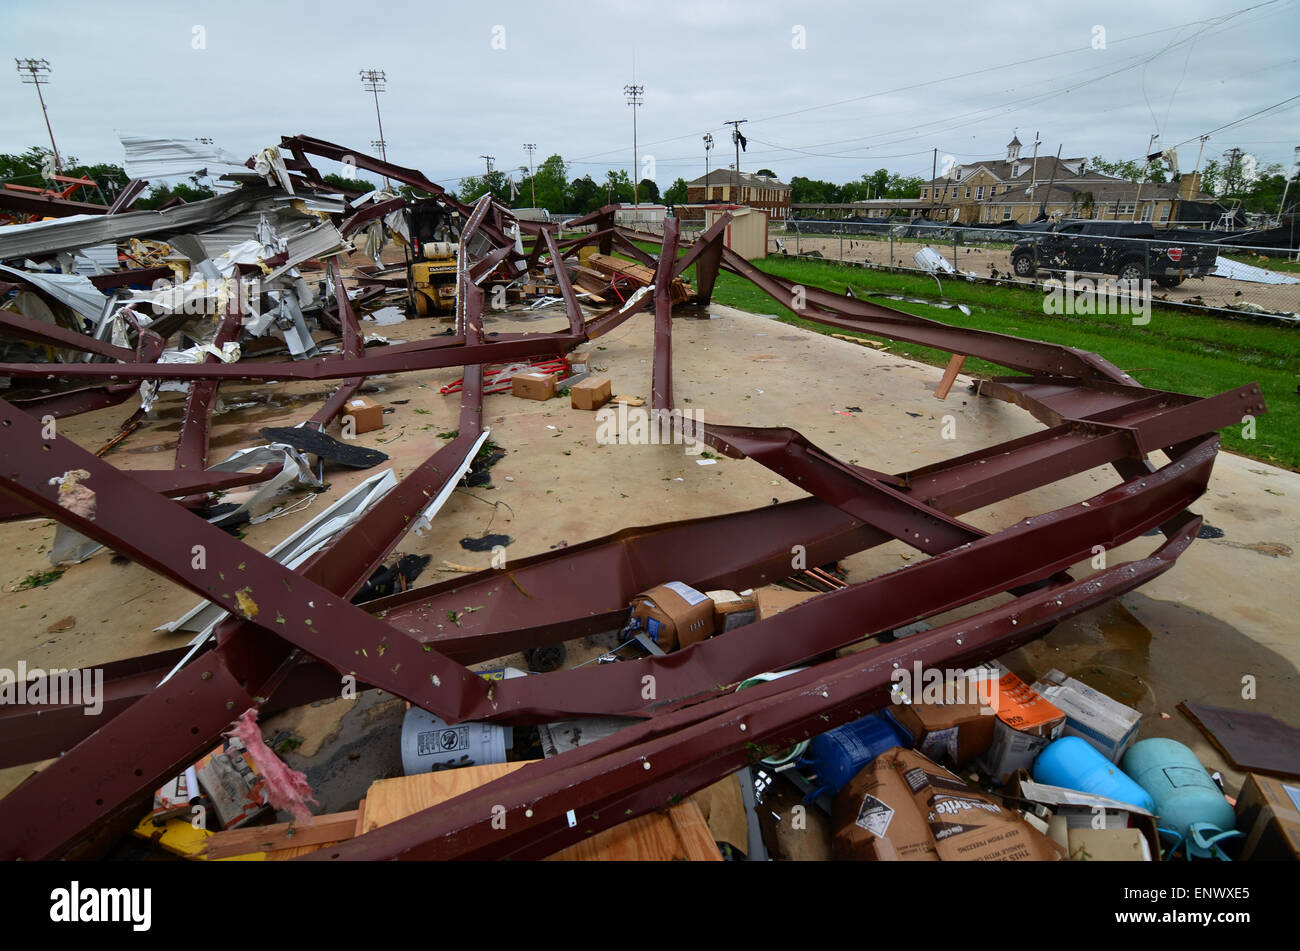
1153 655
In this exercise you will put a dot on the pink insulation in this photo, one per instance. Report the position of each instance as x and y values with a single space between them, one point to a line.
286 788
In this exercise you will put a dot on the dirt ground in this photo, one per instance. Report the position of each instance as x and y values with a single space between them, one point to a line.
1208 291
1225 611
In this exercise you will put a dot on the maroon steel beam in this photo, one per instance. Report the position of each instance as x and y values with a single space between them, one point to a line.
47 206
554 803
376 209
320 368
572 309
706 253
192 442
1023 554
39 331
127 196
169 482
661 387
353 347
139 275
229 573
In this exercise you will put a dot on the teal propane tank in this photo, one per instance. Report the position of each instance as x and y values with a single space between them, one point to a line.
1190 806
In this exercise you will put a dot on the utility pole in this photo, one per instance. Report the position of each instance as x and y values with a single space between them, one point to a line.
373 81
36 72
488 160
1291 174
1033 172
530 148
934 176
1146 164
708 144
633 94
737 140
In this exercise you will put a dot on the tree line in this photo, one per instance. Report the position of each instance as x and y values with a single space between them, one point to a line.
1257 188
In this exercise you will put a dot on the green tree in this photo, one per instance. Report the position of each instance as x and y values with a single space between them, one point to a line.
551 181
162 193
349 184
766 172
618 187
676 193
584 196
648 191
474 187
1130 170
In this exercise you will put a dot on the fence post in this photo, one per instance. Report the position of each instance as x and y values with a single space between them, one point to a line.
841 241
891 249
955 235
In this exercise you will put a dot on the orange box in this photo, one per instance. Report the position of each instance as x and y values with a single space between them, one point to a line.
1026 723
367 415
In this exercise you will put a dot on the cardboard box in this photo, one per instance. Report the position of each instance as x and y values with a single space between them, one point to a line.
953 733
591 393
731 610
903 806
1026 723
1108 845
1268 812
674 615
1106 724
367 415
773 600
1071 809
533 385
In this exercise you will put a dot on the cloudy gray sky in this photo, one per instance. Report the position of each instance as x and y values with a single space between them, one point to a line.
831 89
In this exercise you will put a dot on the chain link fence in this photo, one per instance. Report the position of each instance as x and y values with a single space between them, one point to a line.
1215 275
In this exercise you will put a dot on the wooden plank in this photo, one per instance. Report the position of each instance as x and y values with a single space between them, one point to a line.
693 832
683 834
646 838
391 799
283 855
949 376
332 827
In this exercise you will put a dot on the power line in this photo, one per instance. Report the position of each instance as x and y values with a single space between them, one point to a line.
1213 21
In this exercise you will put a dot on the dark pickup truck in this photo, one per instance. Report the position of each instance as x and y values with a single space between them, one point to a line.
1130 250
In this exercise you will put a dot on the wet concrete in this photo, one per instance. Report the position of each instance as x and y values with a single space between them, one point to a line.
1153 655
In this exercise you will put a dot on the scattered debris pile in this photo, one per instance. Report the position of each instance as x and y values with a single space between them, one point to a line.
748 675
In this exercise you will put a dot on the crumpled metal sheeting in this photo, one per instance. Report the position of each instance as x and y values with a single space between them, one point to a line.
152 158
46 237
72 290
291 552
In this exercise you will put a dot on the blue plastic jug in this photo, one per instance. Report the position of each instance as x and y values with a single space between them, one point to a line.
1074 763
838 755
1190 806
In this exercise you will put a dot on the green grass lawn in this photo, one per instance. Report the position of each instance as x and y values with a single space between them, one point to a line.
1179 351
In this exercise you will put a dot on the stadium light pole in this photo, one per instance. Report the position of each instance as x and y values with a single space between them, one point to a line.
36 72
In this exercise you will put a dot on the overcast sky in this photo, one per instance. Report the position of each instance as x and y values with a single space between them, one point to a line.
830 89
